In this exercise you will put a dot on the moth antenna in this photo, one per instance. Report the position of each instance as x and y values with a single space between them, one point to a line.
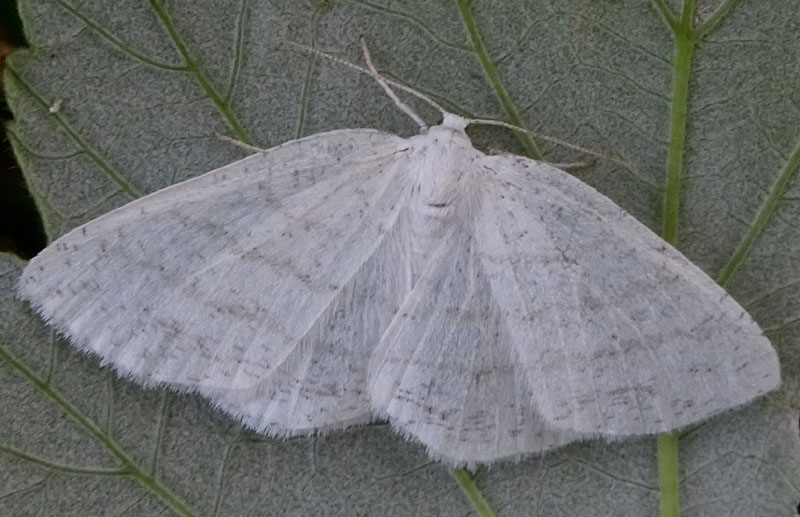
405 108
570 166
383 81
552 140
239 143
387 83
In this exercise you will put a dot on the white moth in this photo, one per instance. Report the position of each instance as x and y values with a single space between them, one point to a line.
487 306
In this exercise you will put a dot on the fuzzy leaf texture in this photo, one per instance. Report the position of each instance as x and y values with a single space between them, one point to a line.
111 104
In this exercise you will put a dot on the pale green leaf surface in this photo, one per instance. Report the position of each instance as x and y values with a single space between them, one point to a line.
145 87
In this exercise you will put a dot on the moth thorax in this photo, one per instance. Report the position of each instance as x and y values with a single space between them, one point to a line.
443 155
437 200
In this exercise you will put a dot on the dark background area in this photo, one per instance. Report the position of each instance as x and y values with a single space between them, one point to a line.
20 225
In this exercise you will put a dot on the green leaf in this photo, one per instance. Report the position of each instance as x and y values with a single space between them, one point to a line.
143 88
